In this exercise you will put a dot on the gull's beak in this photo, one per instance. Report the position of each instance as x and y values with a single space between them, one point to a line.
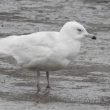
91 36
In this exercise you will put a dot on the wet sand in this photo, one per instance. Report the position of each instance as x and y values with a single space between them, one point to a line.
85 84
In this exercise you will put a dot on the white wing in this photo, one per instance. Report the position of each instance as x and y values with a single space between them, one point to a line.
30 48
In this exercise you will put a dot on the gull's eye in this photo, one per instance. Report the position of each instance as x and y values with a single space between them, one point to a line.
79 30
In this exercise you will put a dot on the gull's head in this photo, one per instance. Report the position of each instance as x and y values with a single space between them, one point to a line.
75 30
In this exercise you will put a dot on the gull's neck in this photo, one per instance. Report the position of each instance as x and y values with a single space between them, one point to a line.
67 37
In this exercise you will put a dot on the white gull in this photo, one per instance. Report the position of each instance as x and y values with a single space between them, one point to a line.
47 50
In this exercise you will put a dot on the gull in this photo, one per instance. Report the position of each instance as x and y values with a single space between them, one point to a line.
46 50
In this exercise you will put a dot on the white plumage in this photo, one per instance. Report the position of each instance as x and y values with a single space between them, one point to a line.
46 51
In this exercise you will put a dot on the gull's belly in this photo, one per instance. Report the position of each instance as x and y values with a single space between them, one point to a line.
48 64
53 59
54 65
